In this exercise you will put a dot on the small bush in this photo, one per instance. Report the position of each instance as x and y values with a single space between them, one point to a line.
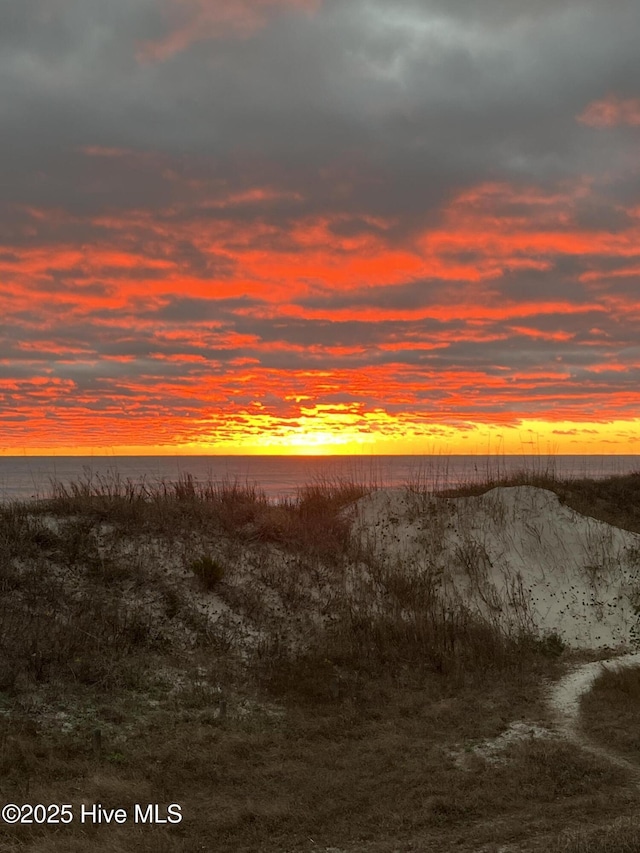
551 645
208 570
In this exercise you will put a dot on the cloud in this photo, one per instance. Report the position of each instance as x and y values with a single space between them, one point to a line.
234 218
611 112
201 20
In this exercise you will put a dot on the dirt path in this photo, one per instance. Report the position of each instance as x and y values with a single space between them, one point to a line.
564 699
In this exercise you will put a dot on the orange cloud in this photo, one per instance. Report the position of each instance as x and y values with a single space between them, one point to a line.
200 20
612 111
599 275
320 331
102 151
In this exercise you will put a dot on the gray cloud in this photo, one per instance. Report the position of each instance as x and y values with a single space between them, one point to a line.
426 95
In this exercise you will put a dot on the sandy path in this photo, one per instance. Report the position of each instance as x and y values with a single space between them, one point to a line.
564 699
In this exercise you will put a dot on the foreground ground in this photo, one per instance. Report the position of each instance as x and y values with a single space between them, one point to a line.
289 686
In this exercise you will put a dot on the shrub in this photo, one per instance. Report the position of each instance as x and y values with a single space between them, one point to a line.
208 570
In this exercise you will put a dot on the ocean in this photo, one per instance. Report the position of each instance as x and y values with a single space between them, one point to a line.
30 477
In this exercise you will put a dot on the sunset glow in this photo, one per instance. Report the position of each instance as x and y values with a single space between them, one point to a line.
306 227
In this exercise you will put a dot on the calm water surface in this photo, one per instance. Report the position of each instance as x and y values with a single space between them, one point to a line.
27 477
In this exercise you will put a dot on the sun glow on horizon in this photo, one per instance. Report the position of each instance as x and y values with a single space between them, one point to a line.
527 437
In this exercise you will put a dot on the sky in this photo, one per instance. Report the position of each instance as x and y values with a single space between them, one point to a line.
319 226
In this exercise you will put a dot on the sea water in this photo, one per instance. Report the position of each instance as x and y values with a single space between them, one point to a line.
27 477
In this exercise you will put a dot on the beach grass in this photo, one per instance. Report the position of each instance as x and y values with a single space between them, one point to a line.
257 663
610 712
614 499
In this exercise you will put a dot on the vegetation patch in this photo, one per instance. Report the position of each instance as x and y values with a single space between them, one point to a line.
304 694
610 711
208 570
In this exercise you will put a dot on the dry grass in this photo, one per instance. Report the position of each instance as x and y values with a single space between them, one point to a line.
615 499
621 836
611 711
367 770
254 664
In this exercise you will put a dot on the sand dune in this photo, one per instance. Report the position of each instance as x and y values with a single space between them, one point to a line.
518 556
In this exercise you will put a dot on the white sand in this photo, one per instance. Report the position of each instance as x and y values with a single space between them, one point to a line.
566 694
522 559
518 556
